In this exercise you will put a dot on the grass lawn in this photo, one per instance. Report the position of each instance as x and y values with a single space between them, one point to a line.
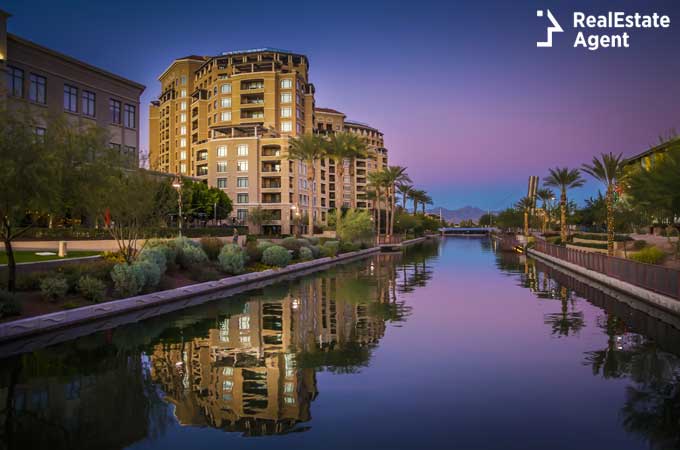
22 256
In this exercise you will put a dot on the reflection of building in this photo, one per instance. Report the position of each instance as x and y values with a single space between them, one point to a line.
245 376
47 82
649 157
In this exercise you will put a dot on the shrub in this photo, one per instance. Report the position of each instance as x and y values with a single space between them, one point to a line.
672 232
294 244
232 259
155 255
648 255
276 256
316 251
313 240
151 273
128 280
348 247
91 288
639 244
663 232
264 245
54 288
330 248
306 254
211 246
356 226
114 257
9 304
190 256
254 252
168 248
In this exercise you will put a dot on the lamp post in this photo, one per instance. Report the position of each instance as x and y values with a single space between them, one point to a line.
177 184
296 219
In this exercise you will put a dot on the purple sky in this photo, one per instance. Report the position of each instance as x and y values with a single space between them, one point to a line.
465 99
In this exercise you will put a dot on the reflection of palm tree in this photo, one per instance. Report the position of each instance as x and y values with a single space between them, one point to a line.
565 322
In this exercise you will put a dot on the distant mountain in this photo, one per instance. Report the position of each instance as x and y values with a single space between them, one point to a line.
456 215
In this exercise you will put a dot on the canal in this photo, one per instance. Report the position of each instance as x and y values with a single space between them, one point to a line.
449 345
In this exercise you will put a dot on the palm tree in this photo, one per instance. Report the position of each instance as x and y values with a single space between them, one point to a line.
564 179
376 181
609 170
405 190
344 146
418 196
425 200
526 205
393 175
308 148
546 196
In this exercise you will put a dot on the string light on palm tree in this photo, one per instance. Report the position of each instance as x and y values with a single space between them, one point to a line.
177 184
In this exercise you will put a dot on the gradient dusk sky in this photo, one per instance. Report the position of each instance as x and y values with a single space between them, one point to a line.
465 98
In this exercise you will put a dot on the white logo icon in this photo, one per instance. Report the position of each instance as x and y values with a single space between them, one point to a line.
554 28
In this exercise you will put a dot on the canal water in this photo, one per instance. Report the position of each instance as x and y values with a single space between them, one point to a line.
450 345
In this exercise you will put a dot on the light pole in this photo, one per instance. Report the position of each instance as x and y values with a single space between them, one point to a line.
177 184
296 215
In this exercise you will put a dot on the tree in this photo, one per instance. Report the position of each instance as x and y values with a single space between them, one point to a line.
393 175
308 148
525 205
609 170
200 200
377 181
356 227
546 196
418 196
425 200
405 190
344 146
657 190
564 179
259 216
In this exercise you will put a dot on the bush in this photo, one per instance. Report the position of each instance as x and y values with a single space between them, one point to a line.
330 248
232 259
639 244
313 240
113 257
211 246
294 245
128 280
91 288
54 288
190 256
276 255
306 254
356 226
663 232
346 247
254 252
73 272
9 304
316 251
672 231
168 248
648 255
151 273
264 245
155 255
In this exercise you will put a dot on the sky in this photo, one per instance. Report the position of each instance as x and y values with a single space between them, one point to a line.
466 100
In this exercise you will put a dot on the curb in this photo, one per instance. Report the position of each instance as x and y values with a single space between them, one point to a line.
63 319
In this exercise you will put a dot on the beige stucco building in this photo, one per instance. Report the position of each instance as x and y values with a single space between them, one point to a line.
47 82
227 120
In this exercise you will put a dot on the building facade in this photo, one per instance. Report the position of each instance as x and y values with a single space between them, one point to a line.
228 119
46 82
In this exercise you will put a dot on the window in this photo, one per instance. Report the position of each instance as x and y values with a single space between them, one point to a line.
15 81
286 97
183 129
40 134
183 117
37 89
244 321
222 183
242 150
114 107
227 385
183 154
115 146
183 142
225 116
241 198
183 168
183 93
286 111
88 103
286 84
242 166
222 151
226 102
242 182
130 151
183 106
70 98
225 88
242 214
130 116
183 79
286 126
221 166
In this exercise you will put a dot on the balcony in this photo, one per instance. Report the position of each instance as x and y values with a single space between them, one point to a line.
252 99
252 85
268 167
256 113
271 151
202 170
271 198
202 155
271 183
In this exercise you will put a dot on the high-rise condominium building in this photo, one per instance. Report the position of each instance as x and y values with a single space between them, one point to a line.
44 82
228 119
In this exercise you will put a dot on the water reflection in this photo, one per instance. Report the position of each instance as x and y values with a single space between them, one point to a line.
640 349
247 364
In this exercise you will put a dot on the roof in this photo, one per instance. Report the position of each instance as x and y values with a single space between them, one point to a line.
361 125
258 50
328 111
668 145
176 60
75 61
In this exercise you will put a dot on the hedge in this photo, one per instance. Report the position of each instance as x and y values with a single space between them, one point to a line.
67 234
602 237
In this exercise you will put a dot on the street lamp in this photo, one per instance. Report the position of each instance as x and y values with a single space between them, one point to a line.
177 184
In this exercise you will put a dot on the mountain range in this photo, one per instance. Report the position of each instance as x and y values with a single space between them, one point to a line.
456 215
